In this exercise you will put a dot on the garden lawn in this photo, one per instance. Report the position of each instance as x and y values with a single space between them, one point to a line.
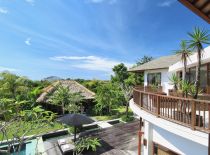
115 114
14 129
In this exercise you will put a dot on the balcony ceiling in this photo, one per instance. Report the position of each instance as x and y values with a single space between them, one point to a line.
199 7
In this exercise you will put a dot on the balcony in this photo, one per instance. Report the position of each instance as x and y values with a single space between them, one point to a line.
187 112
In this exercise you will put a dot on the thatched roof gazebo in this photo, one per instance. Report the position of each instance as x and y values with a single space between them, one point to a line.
74 87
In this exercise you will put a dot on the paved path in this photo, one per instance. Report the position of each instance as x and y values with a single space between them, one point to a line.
104 125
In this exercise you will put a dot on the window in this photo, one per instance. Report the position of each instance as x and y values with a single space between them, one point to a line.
192 74
154 79
160 150
203 77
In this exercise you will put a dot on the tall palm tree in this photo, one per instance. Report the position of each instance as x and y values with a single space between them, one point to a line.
75 102
61 97
184 52
198 38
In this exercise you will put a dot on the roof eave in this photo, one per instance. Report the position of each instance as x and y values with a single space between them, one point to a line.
194 9
147 69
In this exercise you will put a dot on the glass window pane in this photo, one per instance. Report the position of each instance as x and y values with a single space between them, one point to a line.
154 78
192 74
203 77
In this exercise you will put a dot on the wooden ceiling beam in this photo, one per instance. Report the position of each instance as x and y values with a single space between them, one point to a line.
196 10
204 5
194 1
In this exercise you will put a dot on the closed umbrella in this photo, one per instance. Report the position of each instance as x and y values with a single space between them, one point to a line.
75 120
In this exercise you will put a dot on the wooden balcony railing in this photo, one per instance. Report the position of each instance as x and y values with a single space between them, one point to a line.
188 112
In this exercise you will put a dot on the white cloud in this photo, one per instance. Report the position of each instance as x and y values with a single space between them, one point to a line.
31 2
101 1
166 3
90 62
28 41
3 11
2 68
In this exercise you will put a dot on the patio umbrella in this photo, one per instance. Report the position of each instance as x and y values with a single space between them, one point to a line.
75 120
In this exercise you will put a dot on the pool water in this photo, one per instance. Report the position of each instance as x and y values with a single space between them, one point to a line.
27 149
22 152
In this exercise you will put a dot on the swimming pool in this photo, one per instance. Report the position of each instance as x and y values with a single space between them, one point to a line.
28 148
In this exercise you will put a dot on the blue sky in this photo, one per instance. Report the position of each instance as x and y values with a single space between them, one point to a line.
86 38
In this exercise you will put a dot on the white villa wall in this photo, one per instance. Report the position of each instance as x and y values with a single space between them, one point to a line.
173 136
176 143
192 60
165 75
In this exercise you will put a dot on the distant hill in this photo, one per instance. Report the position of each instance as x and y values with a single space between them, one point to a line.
52 78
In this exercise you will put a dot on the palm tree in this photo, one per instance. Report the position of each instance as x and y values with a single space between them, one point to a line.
13 86
61 97
175 81
75 102
185 52
198 38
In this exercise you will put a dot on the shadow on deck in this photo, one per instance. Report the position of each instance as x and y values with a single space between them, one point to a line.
121 139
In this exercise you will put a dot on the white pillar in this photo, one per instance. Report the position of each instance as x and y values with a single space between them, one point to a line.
148 136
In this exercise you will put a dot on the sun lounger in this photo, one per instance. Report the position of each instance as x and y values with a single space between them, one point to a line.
66 146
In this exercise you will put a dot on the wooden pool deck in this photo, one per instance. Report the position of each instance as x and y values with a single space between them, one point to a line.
120 139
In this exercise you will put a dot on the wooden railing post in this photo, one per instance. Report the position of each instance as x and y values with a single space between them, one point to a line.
141 99
193 115
209 116
158 106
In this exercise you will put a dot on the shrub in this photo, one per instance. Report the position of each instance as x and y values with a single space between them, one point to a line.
127 119
87 143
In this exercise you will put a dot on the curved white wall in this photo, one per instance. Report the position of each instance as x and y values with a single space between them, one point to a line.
175 137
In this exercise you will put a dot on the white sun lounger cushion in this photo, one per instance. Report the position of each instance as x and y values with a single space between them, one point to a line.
67 147
62 141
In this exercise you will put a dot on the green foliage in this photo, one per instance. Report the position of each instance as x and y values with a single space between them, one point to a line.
87 143
13 86
75 103
120 72
127 119
20 122
192 90
185 87
108 96
185 53
91 84
69 101
20 88
198 38
117 112
143 60
175 81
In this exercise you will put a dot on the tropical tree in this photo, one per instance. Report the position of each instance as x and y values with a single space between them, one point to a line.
184 52
75 102
143 60
175 81
13 86
61 97
125 81
198 38
127 89
120 73
185 87
108 95
68 100
19 123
